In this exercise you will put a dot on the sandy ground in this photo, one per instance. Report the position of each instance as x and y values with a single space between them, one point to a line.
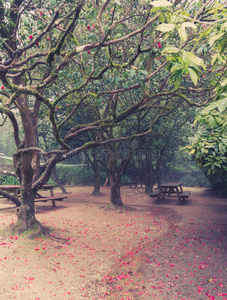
149 250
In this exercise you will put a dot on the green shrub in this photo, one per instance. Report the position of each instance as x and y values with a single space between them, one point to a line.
8 180
218 182
188 180
125 179
189 177
77 175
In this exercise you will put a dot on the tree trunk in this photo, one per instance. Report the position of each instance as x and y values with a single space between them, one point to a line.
95 166
115 193
149 183
27 165
26 212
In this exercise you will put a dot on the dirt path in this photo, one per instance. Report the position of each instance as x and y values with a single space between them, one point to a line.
149 250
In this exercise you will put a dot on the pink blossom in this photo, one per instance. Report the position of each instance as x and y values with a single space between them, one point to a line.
89 27
30 36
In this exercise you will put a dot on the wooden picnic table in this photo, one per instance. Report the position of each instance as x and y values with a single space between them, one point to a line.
171 188
135 181
15 189
11 189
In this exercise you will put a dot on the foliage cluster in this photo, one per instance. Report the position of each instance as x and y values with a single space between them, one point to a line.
209 150
73 175
79 74
8 180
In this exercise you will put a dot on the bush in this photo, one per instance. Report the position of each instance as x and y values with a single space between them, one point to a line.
195 179
77 175
218 182
189 177
8 180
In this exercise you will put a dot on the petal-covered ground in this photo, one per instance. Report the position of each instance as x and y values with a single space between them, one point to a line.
148 250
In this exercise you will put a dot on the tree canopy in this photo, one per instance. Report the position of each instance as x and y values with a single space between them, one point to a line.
58 58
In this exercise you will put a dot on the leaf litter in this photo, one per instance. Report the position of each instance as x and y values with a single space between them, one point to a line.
147 251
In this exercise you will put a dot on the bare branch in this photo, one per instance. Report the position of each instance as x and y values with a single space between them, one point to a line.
8 173
99 17
10 197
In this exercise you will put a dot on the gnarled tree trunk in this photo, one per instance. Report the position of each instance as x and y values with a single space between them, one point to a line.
95 166
115 192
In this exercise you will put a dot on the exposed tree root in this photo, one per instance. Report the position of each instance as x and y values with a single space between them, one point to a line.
30 231
95 193
119 208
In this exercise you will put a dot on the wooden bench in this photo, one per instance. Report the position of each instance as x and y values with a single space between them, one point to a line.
184 195
155 194
53 199
135 181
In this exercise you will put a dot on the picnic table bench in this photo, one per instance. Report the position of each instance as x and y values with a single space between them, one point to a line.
171 188
184 195
155 194
50 187
135 181
15 189
53 199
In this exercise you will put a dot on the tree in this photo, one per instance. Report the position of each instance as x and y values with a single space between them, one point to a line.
155 150
57 56
209 150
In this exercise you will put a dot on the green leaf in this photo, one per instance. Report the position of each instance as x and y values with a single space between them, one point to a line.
26 21
195 59
52 3
211 121
220 104
189 24
208 164
224 25
222 148
162 3
193 75
170 50
132 73
177 78
217 164
165 27
2 41
144 72
218 120
176 67
214 38
162 18
182 33
224 83
214 58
